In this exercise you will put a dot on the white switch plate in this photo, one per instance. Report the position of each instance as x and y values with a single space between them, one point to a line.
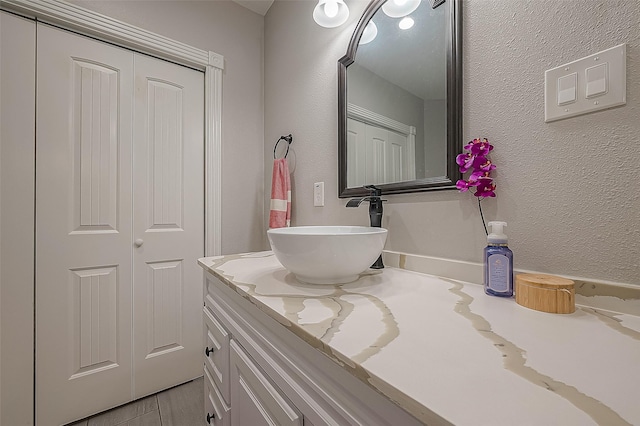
318 194
614 93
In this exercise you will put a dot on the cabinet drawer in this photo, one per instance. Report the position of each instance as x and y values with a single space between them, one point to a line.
216 352
216 412
254 399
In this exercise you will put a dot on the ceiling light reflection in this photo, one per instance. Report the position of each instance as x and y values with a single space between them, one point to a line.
406 23
370 32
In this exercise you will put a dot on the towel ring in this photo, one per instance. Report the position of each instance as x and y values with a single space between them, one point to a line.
287 139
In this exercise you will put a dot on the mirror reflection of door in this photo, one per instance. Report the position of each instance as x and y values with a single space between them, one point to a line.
380 149
400 75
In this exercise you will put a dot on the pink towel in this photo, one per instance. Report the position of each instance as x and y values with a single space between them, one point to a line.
280 214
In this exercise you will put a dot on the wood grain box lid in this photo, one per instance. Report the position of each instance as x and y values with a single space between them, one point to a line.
545 293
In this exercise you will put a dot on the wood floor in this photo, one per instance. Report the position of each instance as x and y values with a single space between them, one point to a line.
179 406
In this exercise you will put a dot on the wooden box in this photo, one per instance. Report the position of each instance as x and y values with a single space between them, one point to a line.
546 293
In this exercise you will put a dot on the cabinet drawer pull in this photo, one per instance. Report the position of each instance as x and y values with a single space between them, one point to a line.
208 351
210 417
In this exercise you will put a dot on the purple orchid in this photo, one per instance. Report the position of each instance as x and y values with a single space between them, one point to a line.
475 158
486 188
465 161
464 185
477 175
479 146
483 163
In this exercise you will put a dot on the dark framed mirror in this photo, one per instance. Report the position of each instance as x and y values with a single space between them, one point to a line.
400 99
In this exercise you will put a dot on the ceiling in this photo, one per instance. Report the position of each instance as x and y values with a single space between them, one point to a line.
413 59
259 6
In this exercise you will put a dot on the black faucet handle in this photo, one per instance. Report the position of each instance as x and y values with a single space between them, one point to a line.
375 191
354 202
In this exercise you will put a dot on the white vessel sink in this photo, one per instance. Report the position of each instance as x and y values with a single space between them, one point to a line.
327 254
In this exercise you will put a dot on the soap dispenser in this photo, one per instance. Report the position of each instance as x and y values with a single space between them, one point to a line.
498 263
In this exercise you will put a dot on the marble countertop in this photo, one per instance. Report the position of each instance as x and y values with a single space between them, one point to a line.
429 342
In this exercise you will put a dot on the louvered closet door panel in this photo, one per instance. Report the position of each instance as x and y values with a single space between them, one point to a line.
83 226
356 153
396 158
168 224
377 140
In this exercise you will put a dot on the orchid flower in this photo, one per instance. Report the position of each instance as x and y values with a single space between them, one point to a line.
479 146
484 164
464 185
475 159
485 188
477 175
465 161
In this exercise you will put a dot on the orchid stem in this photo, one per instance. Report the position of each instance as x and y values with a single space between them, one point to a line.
482 216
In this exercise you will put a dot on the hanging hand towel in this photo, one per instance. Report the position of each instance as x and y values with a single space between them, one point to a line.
280 214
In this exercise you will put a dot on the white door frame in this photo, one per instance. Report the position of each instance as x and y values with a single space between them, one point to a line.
102 27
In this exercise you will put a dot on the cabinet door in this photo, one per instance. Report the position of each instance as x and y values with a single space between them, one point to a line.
83 226
216 352
168 227
216 412
254 400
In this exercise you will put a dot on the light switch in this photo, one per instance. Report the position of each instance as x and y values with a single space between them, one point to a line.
567 88
596 78
318 194
589 84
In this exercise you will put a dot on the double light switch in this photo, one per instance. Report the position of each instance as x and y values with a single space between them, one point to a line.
589 84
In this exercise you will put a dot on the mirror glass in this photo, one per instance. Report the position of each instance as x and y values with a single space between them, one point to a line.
399 99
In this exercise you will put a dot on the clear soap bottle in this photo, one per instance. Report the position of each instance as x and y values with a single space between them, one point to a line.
498 263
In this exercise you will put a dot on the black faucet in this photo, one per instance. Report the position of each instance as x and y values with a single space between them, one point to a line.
375 213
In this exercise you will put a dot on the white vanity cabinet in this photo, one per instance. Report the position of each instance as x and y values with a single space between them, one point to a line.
232 378
216 371
257 372
255 400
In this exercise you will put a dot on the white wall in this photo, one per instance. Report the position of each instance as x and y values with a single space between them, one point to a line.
569 190
17 175
435 152
237 33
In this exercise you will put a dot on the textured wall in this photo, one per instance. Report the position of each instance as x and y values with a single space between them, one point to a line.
569 189
301 86
237 33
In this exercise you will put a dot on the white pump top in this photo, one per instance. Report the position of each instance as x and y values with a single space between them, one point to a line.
497 234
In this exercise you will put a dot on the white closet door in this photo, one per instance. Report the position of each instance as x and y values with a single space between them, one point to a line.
396 158
377 140
378 155
168 224
83 226
356 153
